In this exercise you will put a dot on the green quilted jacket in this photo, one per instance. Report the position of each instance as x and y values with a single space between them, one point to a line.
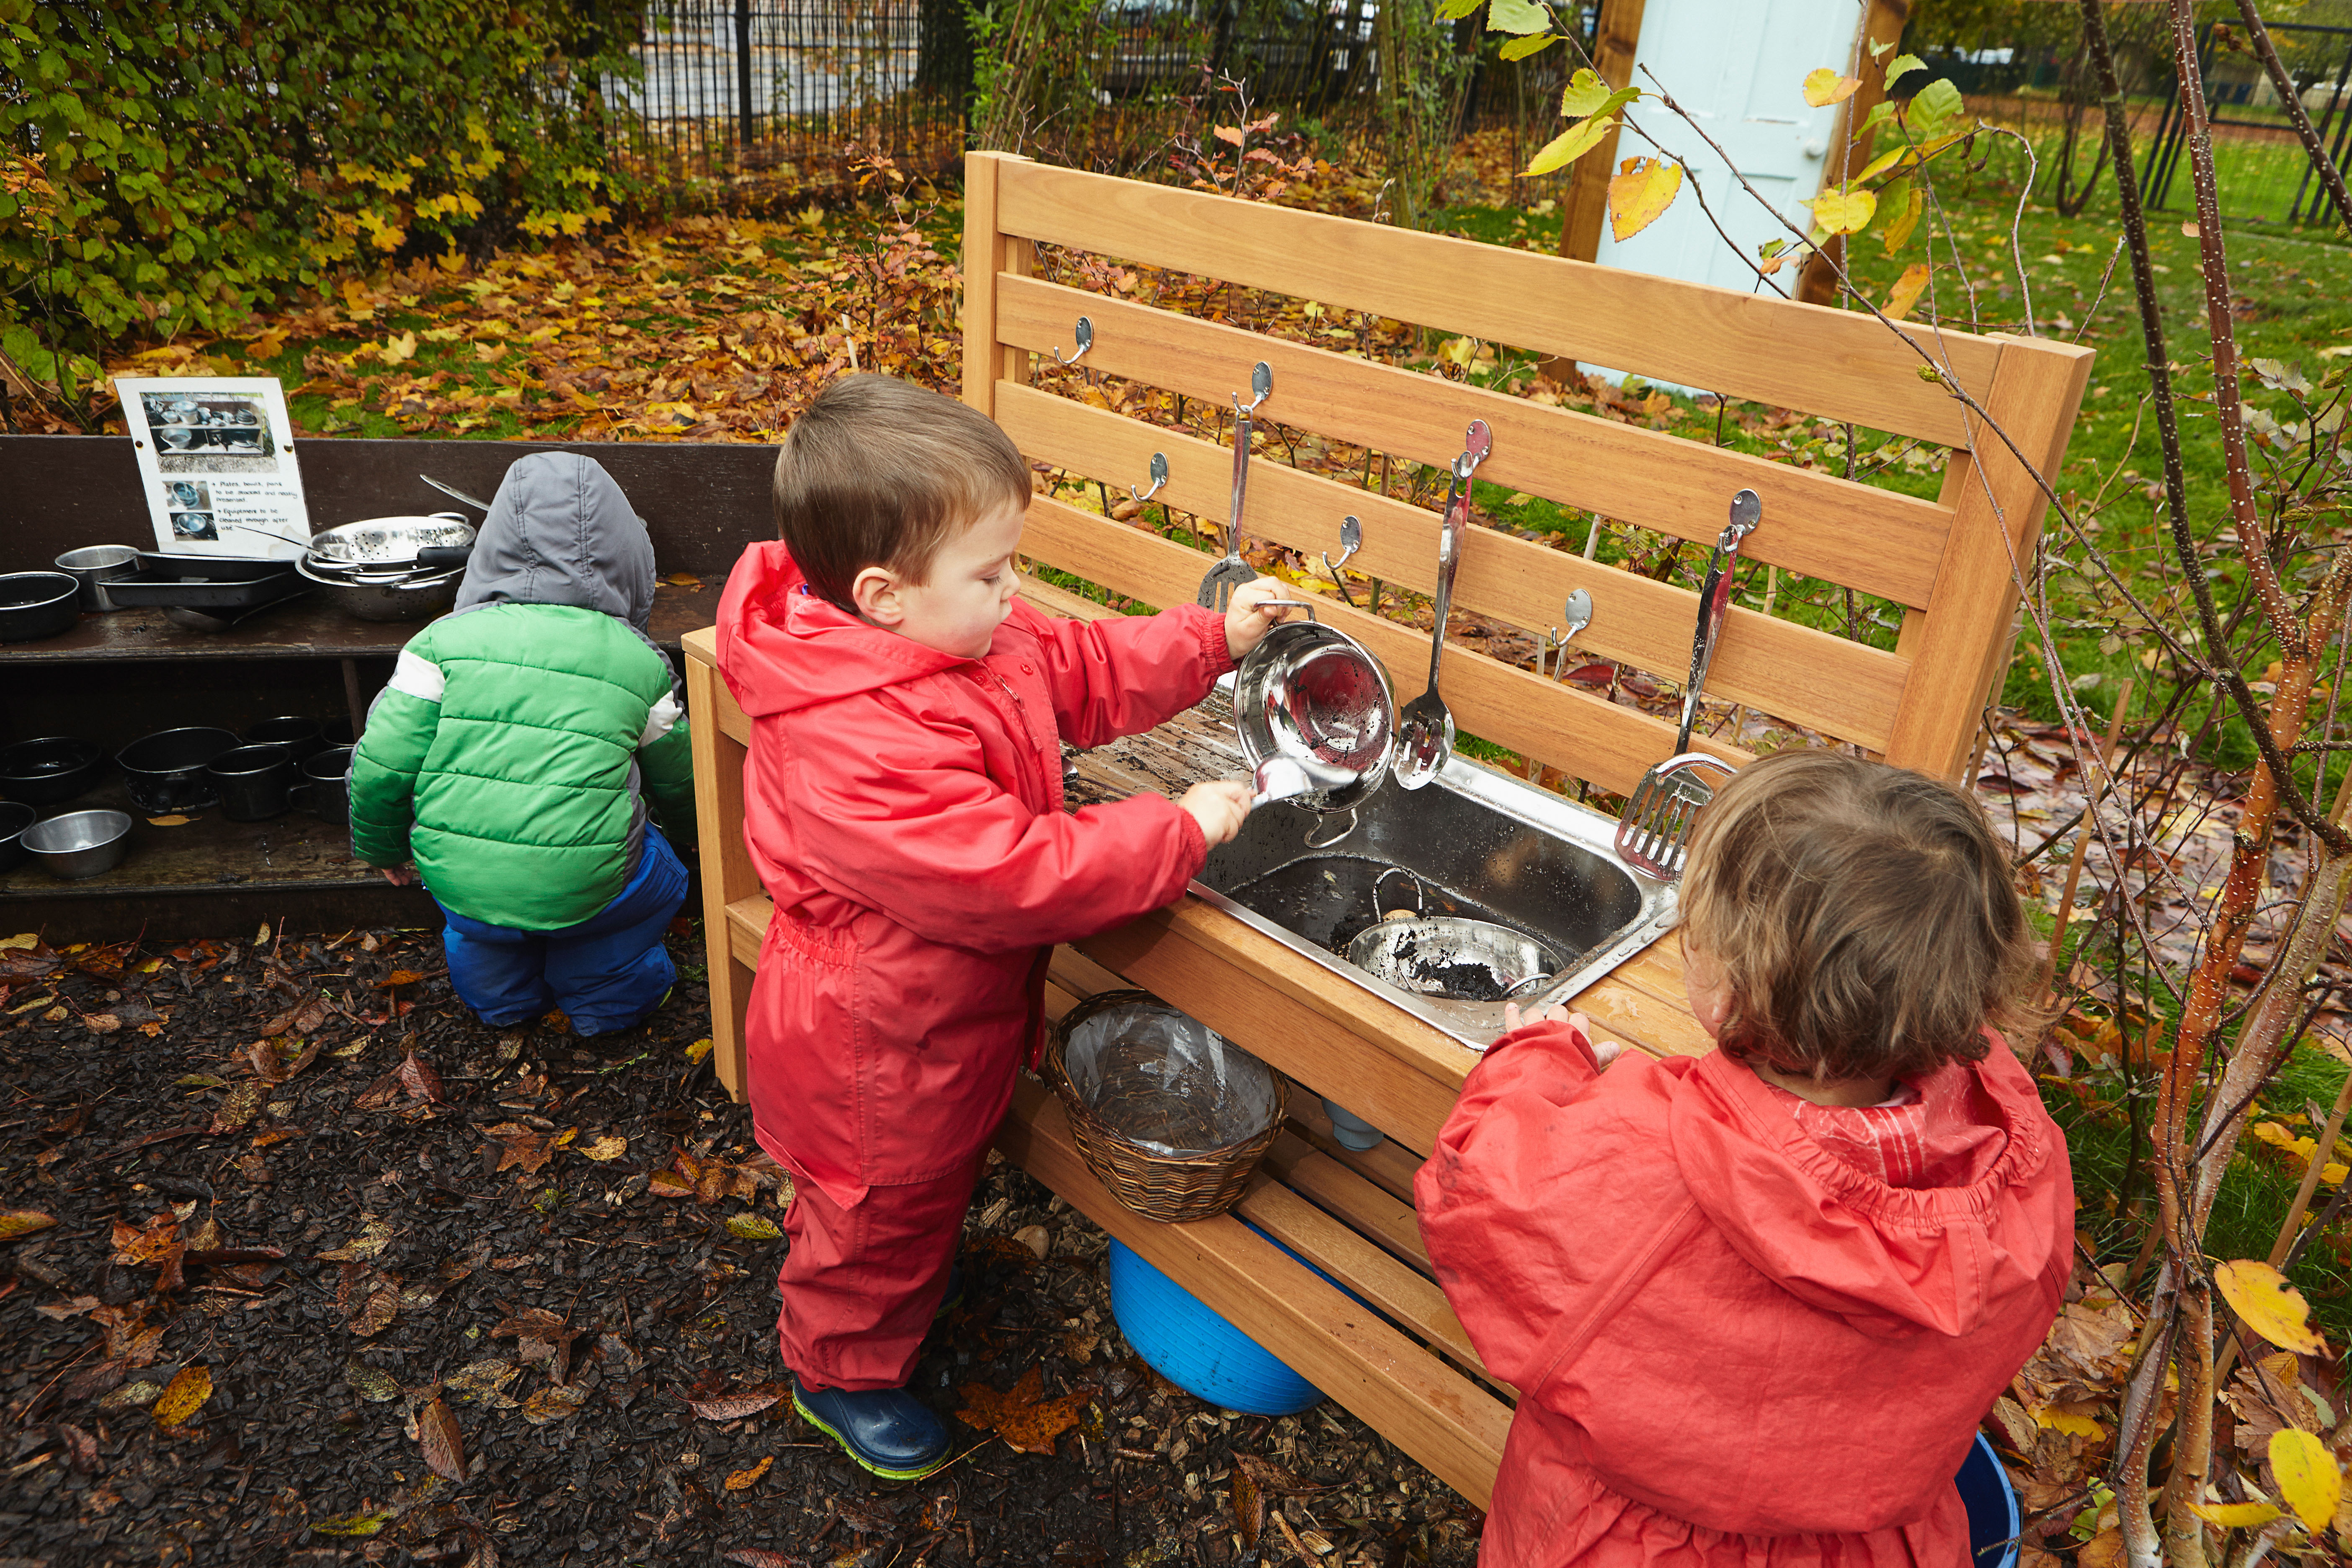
514 751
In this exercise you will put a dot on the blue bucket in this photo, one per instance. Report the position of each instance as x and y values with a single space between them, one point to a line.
1193 1348
1991 1502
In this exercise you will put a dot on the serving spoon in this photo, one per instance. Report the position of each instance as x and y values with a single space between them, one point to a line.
1425 729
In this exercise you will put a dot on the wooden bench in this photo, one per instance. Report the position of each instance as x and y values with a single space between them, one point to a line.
1393 1351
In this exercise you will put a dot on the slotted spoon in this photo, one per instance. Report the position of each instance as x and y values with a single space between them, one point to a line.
1654 832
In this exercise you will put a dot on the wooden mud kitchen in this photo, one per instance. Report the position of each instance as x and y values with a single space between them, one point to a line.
1386 1346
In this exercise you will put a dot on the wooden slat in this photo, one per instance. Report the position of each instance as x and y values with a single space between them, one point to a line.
1998 510
726 863
747 926
1387 1165
1841 364
1559 724
1444 1419
1368 1211
1381 1280
1871 540
1824 683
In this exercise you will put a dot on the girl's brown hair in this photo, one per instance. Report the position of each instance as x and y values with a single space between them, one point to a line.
880 472
1862 915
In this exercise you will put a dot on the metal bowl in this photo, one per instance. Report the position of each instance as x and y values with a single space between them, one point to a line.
390 541
14 819
409 599
50 770
1312 690
1454 957
38 604
94 566
80 843
165 772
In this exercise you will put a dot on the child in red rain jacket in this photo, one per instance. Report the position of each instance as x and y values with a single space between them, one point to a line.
902 800
1756 1302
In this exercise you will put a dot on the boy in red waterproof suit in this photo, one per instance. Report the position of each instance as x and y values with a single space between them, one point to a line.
902 799
1756 1302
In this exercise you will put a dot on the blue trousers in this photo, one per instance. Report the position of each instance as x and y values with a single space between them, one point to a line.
606 972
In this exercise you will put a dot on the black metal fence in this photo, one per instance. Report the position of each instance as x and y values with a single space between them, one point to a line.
2259 164
780 89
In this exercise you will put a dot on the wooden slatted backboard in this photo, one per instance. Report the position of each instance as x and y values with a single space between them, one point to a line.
1947 563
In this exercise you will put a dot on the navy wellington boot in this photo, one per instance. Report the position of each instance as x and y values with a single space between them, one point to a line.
887 1430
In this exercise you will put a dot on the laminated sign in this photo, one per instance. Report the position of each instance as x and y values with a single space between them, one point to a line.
217 461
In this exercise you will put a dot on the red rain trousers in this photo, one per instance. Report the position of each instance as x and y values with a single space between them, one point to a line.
903 808
1732 1344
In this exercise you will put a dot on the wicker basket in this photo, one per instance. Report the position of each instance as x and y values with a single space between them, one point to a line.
1172 1188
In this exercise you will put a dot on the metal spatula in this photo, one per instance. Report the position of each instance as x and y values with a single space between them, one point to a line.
1654 832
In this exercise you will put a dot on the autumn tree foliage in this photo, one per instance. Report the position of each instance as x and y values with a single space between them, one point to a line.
167 168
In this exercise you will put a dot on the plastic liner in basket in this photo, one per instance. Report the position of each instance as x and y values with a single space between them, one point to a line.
1168 1083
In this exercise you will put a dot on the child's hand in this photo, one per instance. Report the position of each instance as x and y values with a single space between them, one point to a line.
1247 620
1604 1051
1219 806
398 876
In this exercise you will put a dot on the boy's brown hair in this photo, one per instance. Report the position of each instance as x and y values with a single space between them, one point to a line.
1863 914
880 472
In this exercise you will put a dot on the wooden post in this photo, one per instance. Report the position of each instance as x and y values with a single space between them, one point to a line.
1588 192
1817 283
727 870
2034 393
986 254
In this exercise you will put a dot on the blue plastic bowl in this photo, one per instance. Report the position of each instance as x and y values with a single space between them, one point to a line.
1991 1503
1193 1348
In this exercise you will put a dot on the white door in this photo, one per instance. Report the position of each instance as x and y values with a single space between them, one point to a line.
1738 67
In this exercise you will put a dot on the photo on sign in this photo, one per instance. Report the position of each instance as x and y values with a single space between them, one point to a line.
209 432
193 525
188 495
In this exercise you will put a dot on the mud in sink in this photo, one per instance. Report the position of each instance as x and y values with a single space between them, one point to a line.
1478 844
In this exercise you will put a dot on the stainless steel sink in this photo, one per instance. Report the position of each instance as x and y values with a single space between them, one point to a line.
1478 843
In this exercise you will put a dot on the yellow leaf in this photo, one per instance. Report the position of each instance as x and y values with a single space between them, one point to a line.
2235 1515
268 345
1844 212
1646 187
2270 1306
185 1396
2059 1421
2307 1477
1824 87
174 821
1906 290
610 1147
24 940
15 1223
696 1051
1570 144
743 1478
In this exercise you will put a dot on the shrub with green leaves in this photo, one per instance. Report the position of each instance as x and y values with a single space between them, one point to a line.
167 168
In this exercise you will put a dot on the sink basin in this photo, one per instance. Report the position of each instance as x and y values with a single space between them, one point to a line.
1480 844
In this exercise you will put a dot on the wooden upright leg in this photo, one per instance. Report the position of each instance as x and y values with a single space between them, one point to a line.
728 875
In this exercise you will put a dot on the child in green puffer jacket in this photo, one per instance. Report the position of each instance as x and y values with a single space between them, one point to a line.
513 754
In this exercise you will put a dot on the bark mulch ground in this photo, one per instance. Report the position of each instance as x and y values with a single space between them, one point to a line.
305 1265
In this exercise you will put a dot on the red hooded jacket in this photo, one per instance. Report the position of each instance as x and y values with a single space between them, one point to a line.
1733 1339
904 809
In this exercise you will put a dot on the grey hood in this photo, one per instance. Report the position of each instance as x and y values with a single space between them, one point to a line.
560 531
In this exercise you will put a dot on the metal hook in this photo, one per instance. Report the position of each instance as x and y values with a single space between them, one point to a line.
1158 475
1352 539
1261 388
1086 340
1477 442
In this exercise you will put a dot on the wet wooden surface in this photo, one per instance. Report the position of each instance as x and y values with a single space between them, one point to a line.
206 852
1197 744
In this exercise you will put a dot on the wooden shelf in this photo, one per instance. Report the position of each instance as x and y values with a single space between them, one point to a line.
302 627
